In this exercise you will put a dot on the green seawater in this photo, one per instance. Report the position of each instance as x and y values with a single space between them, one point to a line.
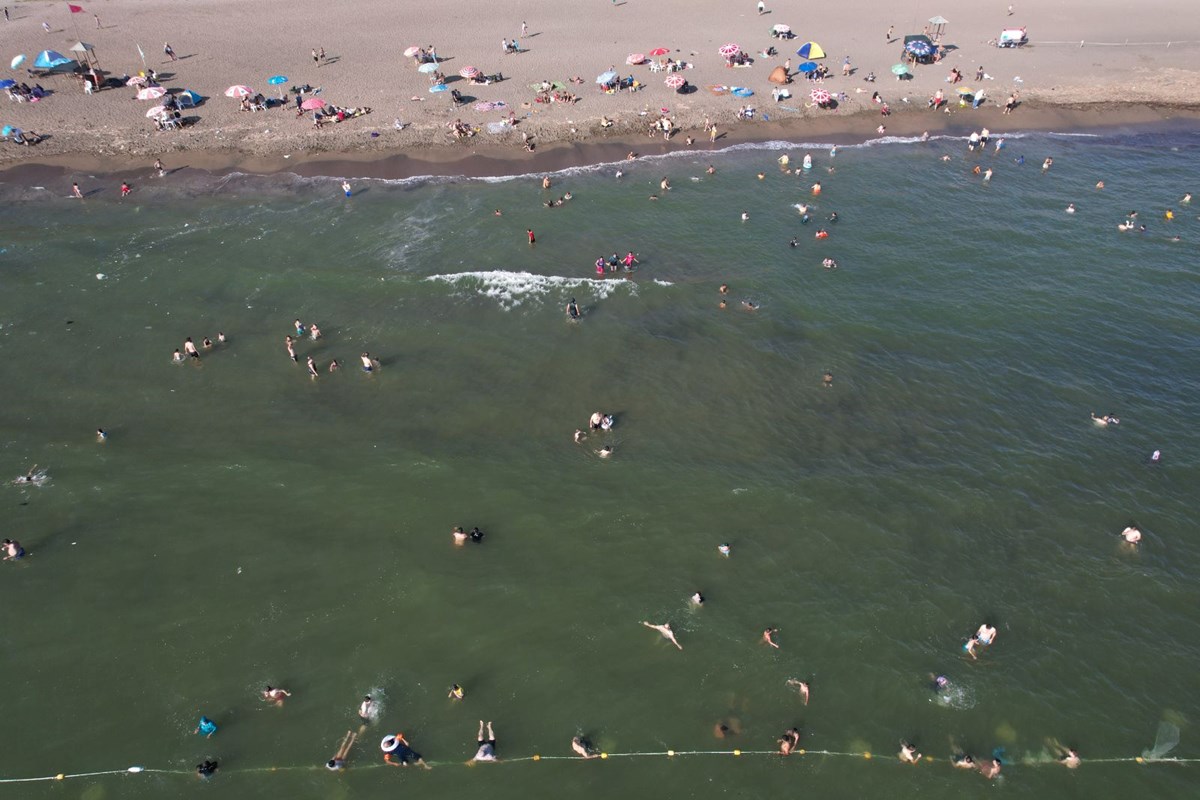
246 525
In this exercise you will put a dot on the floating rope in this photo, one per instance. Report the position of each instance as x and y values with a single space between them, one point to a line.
137 770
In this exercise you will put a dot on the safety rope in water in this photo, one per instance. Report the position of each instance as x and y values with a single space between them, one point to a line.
136 770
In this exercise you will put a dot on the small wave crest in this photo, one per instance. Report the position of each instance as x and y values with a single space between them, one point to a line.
511 289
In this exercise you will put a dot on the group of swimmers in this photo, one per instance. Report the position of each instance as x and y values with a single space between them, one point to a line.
599 421
615 262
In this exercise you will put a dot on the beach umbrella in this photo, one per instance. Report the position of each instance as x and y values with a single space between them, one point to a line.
427 67
275 80
965 90
312 104
151 93
810 50
730 50
635 59
48 59
438 87
782 28
412 51
606 77
899 69
820 96
919 48
468 72
239 91
7 83
658 51
675 82
17 61
807 67
136 80
154 112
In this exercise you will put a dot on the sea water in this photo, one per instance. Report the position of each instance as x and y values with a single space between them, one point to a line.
245 524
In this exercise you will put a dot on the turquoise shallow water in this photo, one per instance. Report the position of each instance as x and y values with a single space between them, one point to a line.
246 525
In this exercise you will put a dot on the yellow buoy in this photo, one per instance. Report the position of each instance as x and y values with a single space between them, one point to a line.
604 755
801 751
670 752
536 757
737 752
867 756
1139 760
59 777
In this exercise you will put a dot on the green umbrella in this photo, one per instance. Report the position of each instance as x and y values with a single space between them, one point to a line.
899 69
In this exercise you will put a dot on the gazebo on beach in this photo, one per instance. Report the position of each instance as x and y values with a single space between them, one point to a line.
938 24
85 54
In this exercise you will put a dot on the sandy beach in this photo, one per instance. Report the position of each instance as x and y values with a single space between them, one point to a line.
1060 84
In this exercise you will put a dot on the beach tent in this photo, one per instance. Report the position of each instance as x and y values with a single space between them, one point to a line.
49 59
811 51
778 75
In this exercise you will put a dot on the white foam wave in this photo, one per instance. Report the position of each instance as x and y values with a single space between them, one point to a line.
511 289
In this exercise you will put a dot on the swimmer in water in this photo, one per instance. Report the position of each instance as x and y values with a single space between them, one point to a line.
1065 755
724 288
697 599
460 536
767 634
273 694
816 188
789 741
595 420
312 367
206 769
366 709
829 263
1099 184
456 692
583 748
206 343
721 305
801 687
833 217
220 337
749 306
665 630
1105 420
101 435
1049 162
711 170
762 176
1187 199
498 213
487 745
13 551
334 366
827 380
724 550
1131 535
1156 457
986 634
206 727
605 452
991 769
299 328
573 309
189 347
1070 208
397 752
476 535
794 242
745 216
619 173
338 762
291 351
579 436
368 364
314 332
909 753
177 356
962 761
31 477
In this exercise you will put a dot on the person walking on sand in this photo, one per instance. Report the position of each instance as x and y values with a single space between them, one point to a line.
762 8
524 30
846 67
46 27
97 16
6 17
665 630
712 133
168 50
316 58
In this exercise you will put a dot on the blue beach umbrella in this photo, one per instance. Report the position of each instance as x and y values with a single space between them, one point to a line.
48 59
742 91
17 61
606 77
427 67
808 66
919 48
275 80
440 87
8 130
7 82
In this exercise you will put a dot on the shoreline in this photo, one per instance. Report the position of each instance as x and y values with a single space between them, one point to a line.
494 159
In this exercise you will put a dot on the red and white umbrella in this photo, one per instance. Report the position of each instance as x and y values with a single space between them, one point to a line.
239 91
312 103
136 80
635 58
658 51
151 93
412 51
730 50
154 112
469 72
675 82
820 96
